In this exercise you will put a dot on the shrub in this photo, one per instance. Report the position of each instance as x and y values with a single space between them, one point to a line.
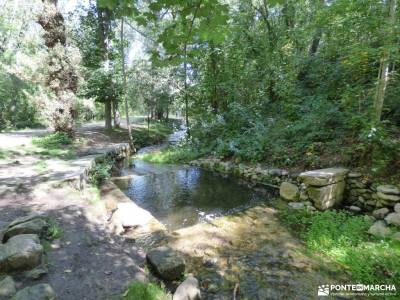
344 239
100 172
52 141
145 291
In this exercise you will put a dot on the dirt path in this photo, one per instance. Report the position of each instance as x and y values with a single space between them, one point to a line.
87 262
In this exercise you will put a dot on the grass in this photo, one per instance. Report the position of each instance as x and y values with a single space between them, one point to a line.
54 231
172 154
100 171
145 291
343 238
52 141
41 166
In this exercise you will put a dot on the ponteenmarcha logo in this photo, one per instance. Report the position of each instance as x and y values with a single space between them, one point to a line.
357 289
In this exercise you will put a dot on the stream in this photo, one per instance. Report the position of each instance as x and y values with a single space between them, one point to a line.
228 232
180 196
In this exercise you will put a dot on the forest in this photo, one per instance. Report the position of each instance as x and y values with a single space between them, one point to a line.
262 91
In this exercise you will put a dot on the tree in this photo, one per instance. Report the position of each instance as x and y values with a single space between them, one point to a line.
383 76
100 57
61 76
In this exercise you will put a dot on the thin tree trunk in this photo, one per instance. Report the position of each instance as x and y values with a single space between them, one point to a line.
128 124
383 74
185 90
107 114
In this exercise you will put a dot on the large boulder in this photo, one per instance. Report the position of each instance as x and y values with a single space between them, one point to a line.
41 291
188 290
289 191
379 229
323 177
7 288
166 263
20 253
34 226
328 196
393 219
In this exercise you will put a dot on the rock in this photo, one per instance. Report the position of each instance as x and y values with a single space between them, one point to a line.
35 226
41 291
36 273
355 209
212 288
393 219
7 288
167 263
188 290
289 191
296 205
24 219
354 175
396 236
379 229
397 208
380 213
323 177
326 196
388 189
369 219
129 215
21 252
388 197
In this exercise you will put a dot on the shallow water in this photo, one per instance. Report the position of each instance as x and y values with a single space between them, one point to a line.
181 196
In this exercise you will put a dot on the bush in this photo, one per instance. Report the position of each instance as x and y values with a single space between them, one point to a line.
344 239
145 291
173 154
100 172
52 141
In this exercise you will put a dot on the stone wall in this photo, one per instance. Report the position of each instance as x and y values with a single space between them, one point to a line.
324 189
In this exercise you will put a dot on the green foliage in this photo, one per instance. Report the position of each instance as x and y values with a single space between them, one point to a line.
52 141
156 133
170 155
145 291
54 231
100 171
343 238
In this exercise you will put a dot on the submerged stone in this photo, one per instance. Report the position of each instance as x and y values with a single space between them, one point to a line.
188 290
166 263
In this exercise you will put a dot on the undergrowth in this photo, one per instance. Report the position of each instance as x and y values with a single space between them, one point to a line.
344 239
145 291
172 154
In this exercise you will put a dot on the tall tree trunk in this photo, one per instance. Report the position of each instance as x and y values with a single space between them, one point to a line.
116 114
186 92
128 124
107 114
383 74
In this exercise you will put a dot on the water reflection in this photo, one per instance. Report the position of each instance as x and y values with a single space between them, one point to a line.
181 196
